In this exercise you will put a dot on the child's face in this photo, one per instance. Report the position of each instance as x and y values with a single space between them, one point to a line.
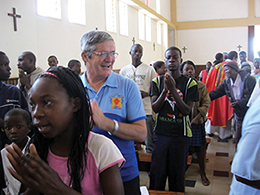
162 70
189 71
16 129
52 108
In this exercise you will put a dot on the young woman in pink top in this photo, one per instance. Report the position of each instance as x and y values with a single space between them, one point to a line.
65 156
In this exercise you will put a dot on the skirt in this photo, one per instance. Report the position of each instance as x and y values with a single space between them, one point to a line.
198 135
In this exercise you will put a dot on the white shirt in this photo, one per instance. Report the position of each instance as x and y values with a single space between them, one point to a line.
142 75
236 87
13 185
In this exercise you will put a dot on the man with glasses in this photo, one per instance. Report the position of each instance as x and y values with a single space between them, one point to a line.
142 74
116 103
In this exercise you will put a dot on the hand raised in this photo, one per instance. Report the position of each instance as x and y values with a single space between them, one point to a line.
98 115
170 82
24 79
34 172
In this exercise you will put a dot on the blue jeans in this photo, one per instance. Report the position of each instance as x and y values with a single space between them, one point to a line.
150 132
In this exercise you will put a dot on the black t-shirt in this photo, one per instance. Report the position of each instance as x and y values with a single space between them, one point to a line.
170 121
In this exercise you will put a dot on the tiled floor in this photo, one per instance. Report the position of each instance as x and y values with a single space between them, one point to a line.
219 153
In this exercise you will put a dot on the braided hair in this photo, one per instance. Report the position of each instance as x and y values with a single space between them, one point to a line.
77 160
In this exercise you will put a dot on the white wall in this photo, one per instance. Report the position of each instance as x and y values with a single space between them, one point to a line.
257 8
203 44
47 36
190 10
166 9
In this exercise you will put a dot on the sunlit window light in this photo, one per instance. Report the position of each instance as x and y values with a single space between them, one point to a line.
123 18
148 28
49 8
77 11
110 15
141 25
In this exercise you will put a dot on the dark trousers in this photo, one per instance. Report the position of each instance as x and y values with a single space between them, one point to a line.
149 139
132 187
169 158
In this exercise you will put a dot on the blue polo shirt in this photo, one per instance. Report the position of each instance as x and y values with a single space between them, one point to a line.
120 99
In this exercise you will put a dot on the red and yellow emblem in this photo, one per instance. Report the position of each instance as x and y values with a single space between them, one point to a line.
116 102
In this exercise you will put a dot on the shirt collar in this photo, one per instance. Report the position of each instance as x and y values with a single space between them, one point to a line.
237 81
137 66
111 81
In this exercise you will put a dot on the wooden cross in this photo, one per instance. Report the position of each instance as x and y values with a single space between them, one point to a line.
184 49
14 15
239 47
133 40
153 46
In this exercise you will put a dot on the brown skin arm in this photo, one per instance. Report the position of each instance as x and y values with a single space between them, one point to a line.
157 102
111 181
254 184
196 119
35 173
144 94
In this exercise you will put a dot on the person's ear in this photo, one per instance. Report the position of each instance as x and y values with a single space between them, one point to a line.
77 104
84 56
31 61
181 60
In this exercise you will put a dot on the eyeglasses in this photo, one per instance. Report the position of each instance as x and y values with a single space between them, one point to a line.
104 54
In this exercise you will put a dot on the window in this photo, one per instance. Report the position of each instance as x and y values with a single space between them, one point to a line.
158 6
159 33
76 11
148 29
141 25
110 15
49 8
123 18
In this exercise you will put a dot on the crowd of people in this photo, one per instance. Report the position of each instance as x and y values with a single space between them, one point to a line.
64 132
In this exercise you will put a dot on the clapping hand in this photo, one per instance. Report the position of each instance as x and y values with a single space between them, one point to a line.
24 79
169 82
33 172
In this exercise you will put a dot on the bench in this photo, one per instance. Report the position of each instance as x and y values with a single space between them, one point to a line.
144 162
156 192
145 159
12 81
